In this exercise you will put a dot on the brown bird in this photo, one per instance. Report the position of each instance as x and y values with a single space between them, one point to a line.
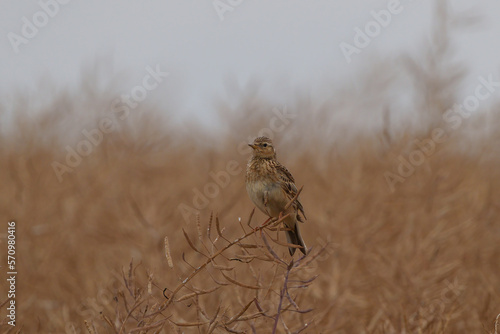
271 187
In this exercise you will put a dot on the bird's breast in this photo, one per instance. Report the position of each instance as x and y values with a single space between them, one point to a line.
260 190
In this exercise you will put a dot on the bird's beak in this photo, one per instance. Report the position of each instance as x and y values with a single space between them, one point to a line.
252 146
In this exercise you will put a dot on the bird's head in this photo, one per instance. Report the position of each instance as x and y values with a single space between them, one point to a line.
263 148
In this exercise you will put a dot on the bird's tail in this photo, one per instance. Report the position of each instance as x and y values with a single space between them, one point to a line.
293 237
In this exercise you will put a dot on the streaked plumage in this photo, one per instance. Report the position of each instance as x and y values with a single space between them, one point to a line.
271 186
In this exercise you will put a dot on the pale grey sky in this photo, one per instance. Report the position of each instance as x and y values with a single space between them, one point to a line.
285 45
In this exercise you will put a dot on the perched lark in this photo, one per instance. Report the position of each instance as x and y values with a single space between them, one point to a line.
271 187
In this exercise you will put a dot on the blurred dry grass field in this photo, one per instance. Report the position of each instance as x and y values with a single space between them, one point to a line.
421 258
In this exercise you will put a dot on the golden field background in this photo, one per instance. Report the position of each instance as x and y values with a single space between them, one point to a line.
421 258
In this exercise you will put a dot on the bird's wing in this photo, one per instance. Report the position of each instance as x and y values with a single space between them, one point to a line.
288 185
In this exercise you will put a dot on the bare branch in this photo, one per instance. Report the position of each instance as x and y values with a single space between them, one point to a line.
239 283
239 314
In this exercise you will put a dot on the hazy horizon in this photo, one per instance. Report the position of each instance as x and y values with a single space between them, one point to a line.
280 51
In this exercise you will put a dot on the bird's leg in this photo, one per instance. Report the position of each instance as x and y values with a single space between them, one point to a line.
266 197
279 217
265 202
264 223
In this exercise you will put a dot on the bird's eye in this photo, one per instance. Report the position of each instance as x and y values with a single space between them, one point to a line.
265 145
